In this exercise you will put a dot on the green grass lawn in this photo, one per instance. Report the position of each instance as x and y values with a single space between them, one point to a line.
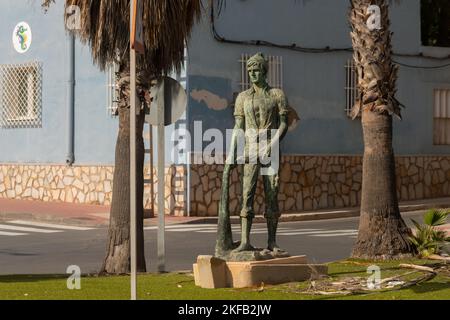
181 287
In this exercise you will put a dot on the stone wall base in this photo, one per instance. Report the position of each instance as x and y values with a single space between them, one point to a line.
320 182
84 184
306 183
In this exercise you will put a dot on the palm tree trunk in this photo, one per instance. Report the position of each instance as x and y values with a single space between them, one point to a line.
382 232
117 259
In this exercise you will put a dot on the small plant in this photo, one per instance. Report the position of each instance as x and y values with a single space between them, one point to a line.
427 239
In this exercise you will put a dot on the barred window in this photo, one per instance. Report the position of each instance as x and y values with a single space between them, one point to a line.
112 90
351 86
21 95
274 75
441 117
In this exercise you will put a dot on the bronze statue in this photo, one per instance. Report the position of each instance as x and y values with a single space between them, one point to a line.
261 108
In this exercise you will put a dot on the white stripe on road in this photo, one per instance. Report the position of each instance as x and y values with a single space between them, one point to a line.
316 232
203 228
257 231
48 225
192 229
176 226
282 231
335 234
181 226
11 234
15 228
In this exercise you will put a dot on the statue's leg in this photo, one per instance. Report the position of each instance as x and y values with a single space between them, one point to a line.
250 181
272 214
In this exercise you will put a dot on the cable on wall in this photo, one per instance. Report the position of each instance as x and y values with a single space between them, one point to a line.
295 47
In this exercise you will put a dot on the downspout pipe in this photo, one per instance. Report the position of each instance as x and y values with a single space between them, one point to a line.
70 158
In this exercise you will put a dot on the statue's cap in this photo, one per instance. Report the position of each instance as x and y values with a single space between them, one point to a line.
258 59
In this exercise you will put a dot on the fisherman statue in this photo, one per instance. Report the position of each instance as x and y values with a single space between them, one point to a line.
261 114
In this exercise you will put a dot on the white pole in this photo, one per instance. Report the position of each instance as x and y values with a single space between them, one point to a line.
161 182
133 162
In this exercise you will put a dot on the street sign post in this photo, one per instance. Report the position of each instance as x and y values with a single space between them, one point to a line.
136 45
168 105
173 96
137 28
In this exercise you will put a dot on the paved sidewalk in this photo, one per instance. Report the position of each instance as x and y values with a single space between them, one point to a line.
94 215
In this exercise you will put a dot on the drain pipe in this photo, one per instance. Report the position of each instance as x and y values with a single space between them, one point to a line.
70 159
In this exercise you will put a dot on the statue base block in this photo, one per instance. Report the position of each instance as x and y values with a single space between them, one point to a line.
213 273
251 256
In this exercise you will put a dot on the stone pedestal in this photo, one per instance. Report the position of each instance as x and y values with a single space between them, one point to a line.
214 273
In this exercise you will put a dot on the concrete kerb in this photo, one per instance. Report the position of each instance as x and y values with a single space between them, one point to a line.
95 221
325 214
49 218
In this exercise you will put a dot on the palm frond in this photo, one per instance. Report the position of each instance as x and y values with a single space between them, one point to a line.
435 217
427 239
105 27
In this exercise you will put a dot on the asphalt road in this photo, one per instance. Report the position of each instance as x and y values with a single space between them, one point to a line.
35 249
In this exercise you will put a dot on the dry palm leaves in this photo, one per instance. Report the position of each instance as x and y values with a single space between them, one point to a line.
360 285
167 24
105 27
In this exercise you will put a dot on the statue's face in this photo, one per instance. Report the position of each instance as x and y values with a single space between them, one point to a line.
257 75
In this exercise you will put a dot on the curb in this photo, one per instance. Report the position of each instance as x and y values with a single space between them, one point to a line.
81 221
324 215
90 221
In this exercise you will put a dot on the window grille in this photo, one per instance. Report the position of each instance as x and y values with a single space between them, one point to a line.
441 117
351 86
112 90
181 76
21 95
274 75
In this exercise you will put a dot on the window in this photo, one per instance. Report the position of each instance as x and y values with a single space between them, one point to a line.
21 95
351 86
274 76
442 117
435 16
112 90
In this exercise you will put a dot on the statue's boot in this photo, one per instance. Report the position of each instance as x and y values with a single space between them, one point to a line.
246 226
272 226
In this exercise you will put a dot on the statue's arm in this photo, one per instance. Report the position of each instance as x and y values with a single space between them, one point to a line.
238 127
283 114
283 129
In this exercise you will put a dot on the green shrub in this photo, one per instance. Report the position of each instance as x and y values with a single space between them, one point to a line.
427 239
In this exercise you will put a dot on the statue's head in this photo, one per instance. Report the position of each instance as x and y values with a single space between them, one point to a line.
257 67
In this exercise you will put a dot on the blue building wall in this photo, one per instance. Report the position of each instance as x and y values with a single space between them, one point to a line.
314 83
95 130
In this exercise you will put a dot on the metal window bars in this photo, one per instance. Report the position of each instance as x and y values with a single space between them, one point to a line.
351 86
112 90
274 76
21 95
441 132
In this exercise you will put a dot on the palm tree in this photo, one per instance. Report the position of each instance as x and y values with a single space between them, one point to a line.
105 27
382 232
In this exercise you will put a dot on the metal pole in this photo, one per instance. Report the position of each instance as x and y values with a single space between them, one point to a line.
152 184
133 162
161 182
70 158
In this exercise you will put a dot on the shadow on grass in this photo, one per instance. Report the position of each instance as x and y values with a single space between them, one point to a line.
363 271
31 278
427 287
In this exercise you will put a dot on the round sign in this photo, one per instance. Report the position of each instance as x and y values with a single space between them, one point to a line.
173 98
22 37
